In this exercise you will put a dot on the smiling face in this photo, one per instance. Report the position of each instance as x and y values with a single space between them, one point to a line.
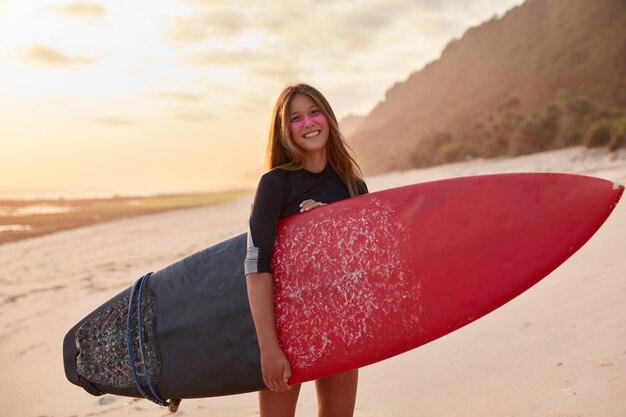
307 125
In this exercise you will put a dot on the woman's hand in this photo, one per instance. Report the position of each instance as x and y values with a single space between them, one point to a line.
307 205
276 370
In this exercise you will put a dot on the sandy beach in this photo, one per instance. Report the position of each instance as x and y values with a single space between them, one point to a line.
557 350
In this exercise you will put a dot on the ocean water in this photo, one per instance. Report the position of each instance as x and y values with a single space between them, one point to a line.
33 209
15 228
28 210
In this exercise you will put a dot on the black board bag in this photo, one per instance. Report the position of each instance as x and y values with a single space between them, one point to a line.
198 337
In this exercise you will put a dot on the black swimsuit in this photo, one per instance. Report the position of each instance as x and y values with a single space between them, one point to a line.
279 195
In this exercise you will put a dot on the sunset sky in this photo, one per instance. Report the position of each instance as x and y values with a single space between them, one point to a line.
102 97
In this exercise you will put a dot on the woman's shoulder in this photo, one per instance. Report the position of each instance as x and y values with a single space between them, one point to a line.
275 174
276 177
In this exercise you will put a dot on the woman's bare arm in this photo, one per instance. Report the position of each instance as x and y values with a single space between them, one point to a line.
274 364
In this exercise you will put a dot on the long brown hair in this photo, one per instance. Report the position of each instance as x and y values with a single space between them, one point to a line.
283 152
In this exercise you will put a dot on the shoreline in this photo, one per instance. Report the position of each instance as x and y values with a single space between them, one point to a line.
26 219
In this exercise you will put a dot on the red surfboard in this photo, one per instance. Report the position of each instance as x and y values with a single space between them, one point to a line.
377 275
356 281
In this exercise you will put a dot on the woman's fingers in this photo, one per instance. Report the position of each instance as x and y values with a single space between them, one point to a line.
269 382
286 372
276 371
277 385
284 384
307 205
280 384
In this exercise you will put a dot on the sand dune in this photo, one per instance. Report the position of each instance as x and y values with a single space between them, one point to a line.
557 350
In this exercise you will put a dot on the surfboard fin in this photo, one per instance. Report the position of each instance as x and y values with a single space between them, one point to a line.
173 405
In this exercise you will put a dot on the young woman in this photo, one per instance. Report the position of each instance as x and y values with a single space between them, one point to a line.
310 165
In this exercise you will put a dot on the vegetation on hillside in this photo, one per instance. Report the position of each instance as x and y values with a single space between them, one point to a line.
509 132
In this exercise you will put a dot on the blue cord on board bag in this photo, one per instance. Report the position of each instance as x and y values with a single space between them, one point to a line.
155 396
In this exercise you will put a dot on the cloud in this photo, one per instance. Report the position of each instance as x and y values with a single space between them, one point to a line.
439 26
195 117
48 56
332 25
286 41
292 42
187 33
285 71
222 58
112 121
218 24
360 27
273 65
80 9
180 96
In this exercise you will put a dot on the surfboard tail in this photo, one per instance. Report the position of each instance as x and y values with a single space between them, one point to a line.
70 355
94 351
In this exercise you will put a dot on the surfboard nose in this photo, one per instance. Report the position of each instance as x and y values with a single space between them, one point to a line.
70 353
